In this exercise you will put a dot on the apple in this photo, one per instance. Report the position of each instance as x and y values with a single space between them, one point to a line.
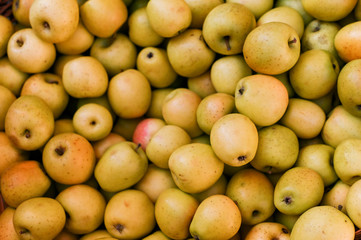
145 131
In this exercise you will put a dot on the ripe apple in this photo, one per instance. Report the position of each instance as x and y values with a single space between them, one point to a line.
145 131
227 37
54 21
29 122
6 30
68 158
11 77
103 18
20 10
270 41
29 53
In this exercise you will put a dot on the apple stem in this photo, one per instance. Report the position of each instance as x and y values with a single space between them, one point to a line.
241 90
60 150
20 42
138 146
317 27
358 107
294 40
287 200
284 230
46 25
226 40
27 133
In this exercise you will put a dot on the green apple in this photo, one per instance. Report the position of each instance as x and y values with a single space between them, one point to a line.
50 88
253 193
145 131
213 107
227 37
6 99
323 222
7 230
340 125
258 7
164 142
217 217
129 94
284 14
155 181
11 77
103 18
347 42
39 218
315 74
93 121
277 151
174 210
189 54
116 53
268 230
6 30
78 86
346 160
234 139
304 117
153 62
23 180
321 35
270 41
29 122
140 32
180 109
79 42
330 11
68 158
200 10
297 190
20 10
85 207
168 18
54 21
347 84
319 157
336 196
262 98
126 211
226 71
195 167
121 166
29 53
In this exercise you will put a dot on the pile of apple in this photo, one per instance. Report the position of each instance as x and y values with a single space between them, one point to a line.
180 119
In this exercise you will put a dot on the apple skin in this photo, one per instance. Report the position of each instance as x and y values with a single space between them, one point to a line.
21 10
29 122
227 37
270 41
145 131
29 53
6 30
103 18
54 21
64 163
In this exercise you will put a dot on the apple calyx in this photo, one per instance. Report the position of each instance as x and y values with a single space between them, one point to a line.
60 150
287 200
24 231
226 40
150 55
27 133
255 213
20 42
46 25
317 27
339 207
285 231
52 81
119 227
358 107
242 158
241 90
